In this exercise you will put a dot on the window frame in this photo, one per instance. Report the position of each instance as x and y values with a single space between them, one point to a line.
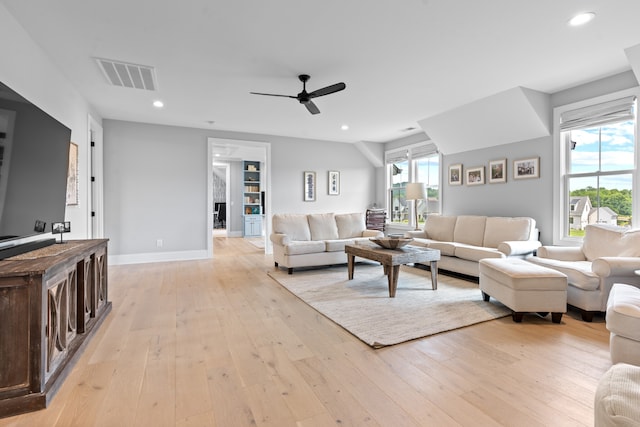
412 153
561 168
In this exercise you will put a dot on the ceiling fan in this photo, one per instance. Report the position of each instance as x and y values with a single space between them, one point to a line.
305 98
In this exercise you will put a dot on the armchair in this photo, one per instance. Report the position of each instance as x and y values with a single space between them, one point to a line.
608 255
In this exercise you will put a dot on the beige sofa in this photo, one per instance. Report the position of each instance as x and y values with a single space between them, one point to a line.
305 240
466 239
608 255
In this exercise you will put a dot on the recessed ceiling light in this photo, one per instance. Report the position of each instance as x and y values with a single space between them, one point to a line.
344 127
581 19
158 104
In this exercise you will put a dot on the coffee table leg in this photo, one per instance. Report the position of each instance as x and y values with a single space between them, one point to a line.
393 279
434 275
350 265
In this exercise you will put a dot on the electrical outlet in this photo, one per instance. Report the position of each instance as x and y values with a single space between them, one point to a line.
159 243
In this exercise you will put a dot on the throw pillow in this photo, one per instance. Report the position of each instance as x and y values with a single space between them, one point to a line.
350 225
505 229
440 227
295 226
323 226
608 240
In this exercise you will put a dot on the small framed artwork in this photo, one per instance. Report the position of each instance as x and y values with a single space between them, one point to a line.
455 174
72 175
526 168
497 171
60 227
475 176
309 186
334 183
39 226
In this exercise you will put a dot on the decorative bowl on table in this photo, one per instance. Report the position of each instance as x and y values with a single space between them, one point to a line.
391 242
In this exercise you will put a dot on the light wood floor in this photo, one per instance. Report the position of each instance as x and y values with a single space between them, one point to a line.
218 343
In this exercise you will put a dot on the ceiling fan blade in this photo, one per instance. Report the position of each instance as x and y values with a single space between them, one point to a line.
273 94
312 107
327 90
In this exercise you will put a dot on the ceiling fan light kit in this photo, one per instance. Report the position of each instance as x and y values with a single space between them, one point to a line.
304 97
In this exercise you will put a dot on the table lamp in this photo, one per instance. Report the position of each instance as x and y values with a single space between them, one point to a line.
415 192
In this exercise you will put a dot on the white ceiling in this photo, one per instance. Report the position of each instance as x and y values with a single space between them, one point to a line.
402 61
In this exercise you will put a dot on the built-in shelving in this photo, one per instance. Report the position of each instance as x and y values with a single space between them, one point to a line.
252 198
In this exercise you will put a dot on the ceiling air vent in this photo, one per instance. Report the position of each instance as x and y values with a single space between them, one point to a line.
128 75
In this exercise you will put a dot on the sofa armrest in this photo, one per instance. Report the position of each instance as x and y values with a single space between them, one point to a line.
615 266
279 239
562 253
519 247
416 233
372 233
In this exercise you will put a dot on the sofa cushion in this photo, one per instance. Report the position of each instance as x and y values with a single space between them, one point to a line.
295 226
445 248
323 226
350 225
476 253
304 247
440 227
623 311
503 229
338 245
469 230
578 273
606 240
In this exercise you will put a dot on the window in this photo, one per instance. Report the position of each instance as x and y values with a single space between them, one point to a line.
598 166
420 163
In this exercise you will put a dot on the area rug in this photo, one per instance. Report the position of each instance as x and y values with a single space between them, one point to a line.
362 306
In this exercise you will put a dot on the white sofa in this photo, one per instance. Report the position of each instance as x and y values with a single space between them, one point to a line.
306 240
608 255
466 239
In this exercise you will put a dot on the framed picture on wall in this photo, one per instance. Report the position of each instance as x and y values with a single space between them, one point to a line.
455 174
72 175
309 186
475 176
334 183
526 168
498 171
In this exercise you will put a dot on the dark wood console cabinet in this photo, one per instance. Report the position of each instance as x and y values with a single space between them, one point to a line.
52 301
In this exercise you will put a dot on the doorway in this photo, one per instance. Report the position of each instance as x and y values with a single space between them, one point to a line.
220 198
232 152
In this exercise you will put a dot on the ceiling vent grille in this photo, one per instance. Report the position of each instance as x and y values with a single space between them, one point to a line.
128 75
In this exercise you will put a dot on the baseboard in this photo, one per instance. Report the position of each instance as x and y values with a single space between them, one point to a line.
157 257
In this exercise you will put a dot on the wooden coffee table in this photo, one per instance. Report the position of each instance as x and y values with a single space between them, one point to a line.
392 259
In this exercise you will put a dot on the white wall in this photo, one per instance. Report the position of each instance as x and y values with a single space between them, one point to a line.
290 158
156 186
26 69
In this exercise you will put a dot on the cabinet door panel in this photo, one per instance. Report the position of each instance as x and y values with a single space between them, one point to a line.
14 337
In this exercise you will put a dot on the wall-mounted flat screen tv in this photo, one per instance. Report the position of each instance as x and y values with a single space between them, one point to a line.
34 161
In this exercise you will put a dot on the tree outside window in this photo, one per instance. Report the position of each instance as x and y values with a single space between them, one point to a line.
600 176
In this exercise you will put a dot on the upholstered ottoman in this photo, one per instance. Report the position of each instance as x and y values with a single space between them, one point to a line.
617 397
623 321
524 287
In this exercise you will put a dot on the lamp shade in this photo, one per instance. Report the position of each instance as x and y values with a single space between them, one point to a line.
416 191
